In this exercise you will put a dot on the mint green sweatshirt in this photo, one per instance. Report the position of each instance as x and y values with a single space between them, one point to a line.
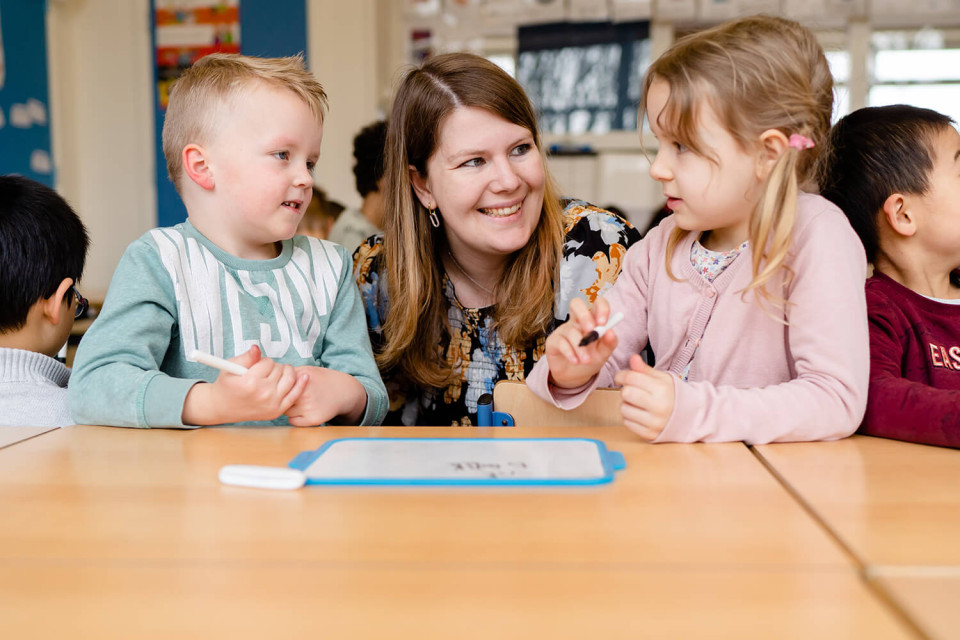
175 291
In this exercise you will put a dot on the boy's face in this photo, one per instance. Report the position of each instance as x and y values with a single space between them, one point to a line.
939 208
261 158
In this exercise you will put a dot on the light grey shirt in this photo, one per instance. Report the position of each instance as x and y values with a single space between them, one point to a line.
33 390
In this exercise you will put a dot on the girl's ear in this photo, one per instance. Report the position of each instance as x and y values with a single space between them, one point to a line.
773 143
896 211
196 167
420 187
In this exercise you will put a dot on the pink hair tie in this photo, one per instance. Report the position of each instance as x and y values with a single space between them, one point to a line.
800 142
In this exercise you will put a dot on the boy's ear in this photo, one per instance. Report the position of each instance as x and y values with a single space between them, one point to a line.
420 188
53 308
896 212
773 143
196 167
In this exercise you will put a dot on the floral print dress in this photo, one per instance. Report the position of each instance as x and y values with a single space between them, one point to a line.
593 251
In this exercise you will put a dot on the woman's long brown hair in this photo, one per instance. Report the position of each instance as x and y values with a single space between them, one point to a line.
416 320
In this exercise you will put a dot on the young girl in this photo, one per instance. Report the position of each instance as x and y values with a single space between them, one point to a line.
751 294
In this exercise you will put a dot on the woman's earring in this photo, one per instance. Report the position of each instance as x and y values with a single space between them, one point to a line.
434 220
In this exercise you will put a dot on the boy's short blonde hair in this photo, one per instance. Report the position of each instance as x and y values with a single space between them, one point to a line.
218 78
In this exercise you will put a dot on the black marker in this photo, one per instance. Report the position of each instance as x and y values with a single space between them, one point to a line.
597 333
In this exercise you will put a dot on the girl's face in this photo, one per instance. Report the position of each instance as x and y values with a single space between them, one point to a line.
715 192
486 179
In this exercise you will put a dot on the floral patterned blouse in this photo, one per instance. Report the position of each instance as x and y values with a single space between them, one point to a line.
596 241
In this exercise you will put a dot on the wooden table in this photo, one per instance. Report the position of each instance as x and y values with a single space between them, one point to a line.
126 533
929 597
13 435
889 502
896 507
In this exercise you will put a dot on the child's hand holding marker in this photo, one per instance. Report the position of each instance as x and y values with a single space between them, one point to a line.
577 349
251 388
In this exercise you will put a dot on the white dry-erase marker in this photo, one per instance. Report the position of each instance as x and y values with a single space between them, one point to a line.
597 333
217 363
250 475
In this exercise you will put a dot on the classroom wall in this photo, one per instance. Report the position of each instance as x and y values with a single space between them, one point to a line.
343 56
101 98
102 123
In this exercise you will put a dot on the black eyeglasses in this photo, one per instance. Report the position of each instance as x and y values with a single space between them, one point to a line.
82 304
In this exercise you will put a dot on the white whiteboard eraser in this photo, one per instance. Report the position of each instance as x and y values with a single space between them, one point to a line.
248 475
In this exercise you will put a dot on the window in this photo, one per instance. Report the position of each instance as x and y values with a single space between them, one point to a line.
918 68
839 62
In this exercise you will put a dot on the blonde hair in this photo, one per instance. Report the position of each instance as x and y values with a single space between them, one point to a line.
757 73
215 80
417 317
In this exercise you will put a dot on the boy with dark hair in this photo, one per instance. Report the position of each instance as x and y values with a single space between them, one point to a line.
43 246
356 225
895 172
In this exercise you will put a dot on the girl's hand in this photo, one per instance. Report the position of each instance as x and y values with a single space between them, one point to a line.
265 392
570 364
648 398
328 394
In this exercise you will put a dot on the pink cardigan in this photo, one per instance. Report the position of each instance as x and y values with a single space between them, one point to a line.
797 375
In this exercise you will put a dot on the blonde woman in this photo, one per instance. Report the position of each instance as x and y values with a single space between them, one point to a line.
480 257
751 293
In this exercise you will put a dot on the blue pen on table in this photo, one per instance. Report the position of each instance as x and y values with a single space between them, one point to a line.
217 363
597 333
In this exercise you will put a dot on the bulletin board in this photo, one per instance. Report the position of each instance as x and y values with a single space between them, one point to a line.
24 94
185 30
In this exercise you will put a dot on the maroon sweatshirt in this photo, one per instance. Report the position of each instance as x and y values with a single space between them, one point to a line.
914 366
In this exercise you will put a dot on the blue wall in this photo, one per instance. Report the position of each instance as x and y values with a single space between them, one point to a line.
24 96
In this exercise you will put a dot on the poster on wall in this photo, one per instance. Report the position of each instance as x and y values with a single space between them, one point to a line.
24 122
183 32
186 30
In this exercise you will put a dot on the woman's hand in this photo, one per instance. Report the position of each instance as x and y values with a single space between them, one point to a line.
648 398
570 364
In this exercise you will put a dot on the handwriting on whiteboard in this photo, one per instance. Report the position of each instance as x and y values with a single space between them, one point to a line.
491 469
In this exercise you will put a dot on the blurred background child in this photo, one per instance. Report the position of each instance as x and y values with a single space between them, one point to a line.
320 216
356 225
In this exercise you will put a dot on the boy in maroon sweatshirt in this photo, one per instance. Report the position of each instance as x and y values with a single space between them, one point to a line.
895 172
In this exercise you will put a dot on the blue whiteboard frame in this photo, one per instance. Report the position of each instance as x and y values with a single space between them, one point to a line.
611 462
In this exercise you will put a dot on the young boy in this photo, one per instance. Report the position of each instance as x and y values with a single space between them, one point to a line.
241 137
43 246
895 172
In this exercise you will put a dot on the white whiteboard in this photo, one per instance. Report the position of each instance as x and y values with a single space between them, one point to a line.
460 461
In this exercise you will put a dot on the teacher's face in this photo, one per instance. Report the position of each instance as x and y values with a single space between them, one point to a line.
486 179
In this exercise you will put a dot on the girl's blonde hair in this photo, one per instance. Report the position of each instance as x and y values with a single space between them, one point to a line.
757 73
216 79
417 316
